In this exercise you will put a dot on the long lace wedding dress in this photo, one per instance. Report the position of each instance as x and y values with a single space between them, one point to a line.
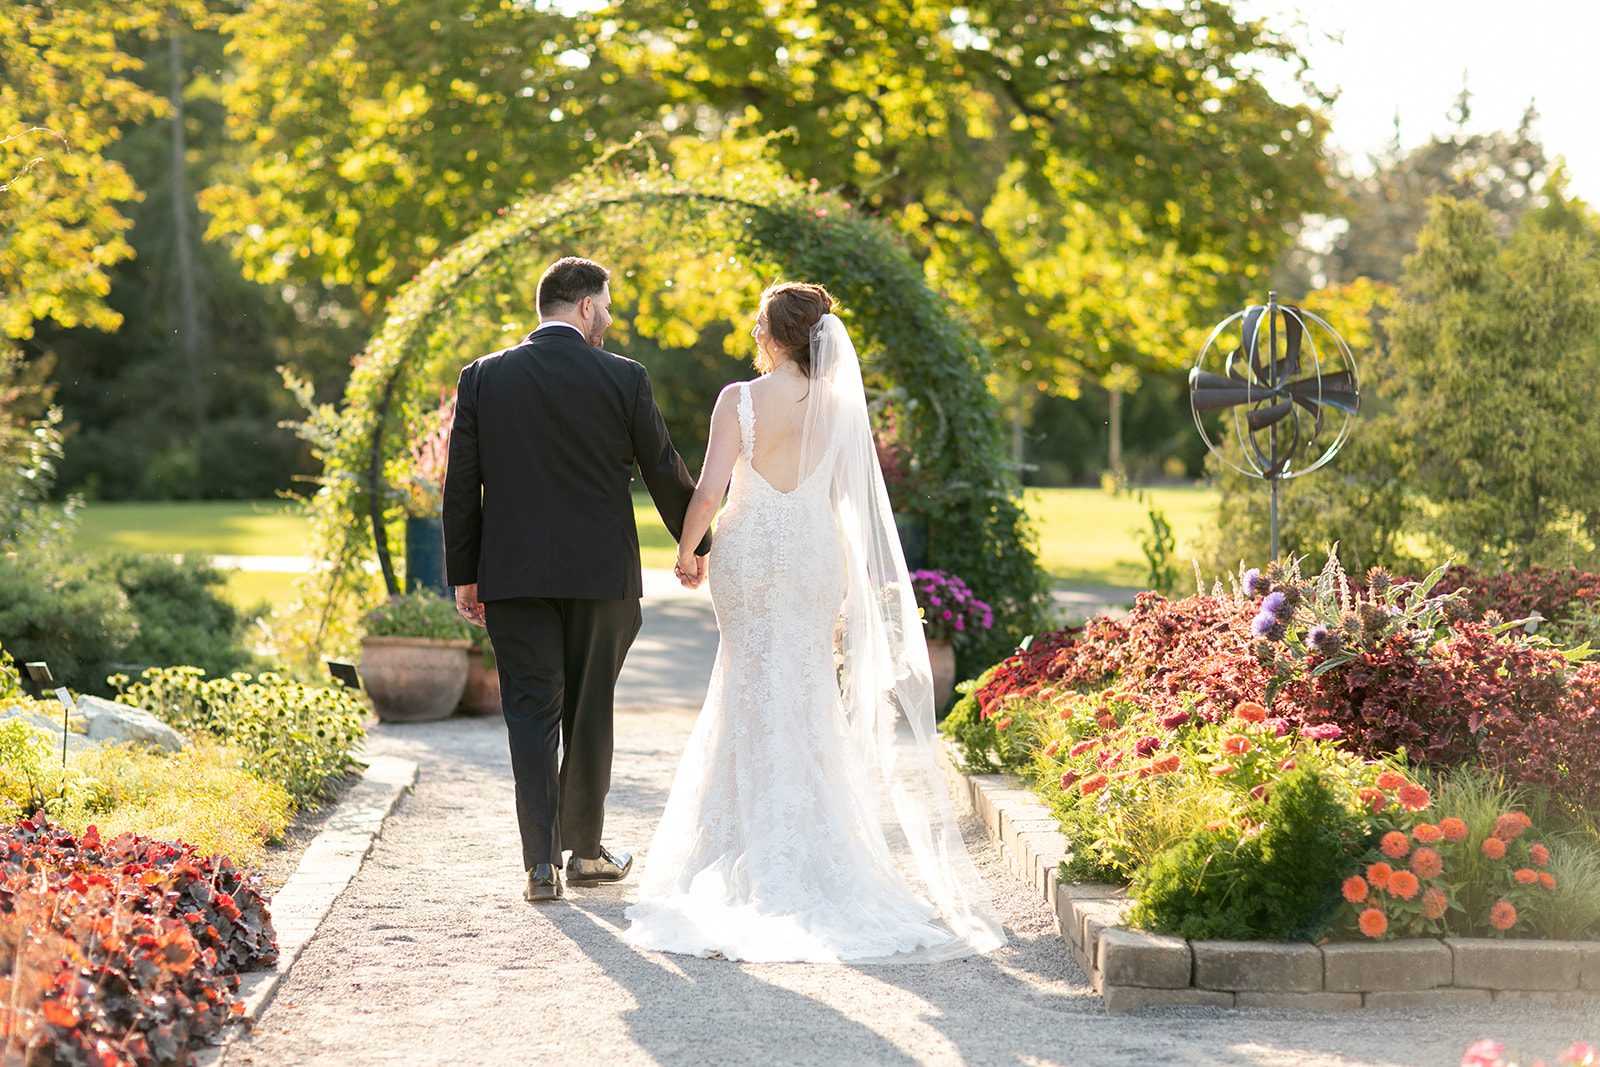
808 820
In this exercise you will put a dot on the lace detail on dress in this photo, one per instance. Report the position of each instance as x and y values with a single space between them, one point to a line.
747 422
770 848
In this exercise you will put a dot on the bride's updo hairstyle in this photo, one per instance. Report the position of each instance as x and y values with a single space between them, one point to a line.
788 311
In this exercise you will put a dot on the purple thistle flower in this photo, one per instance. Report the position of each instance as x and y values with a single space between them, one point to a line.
1254 584
1263 624
1277 604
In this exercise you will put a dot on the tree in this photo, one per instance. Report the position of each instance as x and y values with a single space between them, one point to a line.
64 99
1088 134
1495 348
1380 213
183 399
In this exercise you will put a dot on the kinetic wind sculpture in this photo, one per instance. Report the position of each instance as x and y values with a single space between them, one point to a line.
1289 384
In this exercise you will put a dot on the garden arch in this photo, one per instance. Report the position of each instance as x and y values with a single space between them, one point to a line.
774 228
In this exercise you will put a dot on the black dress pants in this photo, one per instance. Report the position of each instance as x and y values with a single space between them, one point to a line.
558 661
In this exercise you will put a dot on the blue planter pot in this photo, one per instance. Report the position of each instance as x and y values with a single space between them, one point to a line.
913 530
425 556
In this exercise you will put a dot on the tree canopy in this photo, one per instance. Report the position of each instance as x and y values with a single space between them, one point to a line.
1130 149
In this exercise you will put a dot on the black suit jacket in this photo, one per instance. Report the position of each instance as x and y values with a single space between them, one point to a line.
537 494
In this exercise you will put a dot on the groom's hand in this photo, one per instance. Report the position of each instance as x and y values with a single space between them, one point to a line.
468 606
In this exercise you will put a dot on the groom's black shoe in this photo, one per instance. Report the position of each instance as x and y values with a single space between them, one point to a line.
608 868
544 883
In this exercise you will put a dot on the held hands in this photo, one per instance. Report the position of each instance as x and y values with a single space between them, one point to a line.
690 569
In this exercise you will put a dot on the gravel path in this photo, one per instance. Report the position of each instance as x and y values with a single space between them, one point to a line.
432 957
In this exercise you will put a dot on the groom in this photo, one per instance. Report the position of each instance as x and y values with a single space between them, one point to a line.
541 546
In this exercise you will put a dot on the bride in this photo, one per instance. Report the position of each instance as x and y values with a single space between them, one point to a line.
808 820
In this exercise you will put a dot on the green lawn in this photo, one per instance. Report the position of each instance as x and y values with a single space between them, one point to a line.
216 528
1086 536
1089 537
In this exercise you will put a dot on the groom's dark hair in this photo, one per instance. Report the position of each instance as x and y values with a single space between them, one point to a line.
567 282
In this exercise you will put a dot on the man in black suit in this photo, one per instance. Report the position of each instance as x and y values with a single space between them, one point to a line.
541 546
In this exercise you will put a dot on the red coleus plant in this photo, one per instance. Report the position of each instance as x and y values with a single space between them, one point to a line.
1452 693
122 952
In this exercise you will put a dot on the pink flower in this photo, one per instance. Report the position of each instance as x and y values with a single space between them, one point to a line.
1323 731
1486 1053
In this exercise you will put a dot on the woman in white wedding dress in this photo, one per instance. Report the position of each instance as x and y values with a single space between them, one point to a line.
808 820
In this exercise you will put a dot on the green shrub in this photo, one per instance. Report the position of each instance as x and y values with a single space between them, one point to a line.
183 613
53 610
299 736
1277 882
418 615
966 726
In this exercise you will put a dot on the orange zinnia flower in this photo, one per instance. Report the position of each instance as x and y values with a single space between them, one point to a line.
1427 833
1404 884
1223 768
1374 923
1081 747
1509 826
1355 889
1379 874
1540 854
1494 848
1413 797
1435 902
1093 784
1453 829
1236 745
1051 749
1373 799
1525 876
1250 711
1166 765
1001 724
1395 845
1547 879
1390 781
1427 863
1502 916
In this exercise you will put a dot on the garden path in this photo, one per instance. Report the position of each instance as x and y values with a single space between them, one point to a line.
431 956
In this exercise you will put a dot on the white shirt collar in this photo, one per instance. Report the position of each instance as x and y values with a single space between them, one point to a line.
556 322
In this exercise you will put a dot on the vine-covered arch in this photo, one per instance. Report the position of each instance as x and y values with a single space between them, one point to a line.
908 336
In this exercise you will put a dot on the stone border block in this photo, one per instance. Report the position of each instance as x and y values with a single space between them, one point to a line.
1257 966
1431 999
1590 978
1299 1001
1386 966
1121 998
1137 958
1484 963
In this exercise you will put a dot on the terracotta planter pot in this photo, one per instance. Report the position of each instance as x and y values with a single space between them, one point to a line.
482 696
414 679
943 655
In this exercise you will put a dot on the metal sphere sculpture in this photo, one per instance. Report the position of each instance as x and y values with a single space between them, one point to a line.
1288 381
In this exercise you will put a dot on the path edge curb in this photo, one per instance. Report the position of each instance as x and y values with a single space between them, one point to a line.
326 869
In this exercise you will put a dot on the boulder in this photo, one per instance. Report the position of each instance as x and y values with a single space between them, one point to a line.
110 721
48 728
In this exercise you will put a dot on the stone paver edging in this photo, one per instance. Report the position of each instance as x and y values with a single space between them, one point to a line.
1135 969
326 868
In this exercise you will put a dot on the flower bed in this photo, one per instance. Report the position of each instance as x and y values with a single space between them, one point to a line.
1245 757
121 952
